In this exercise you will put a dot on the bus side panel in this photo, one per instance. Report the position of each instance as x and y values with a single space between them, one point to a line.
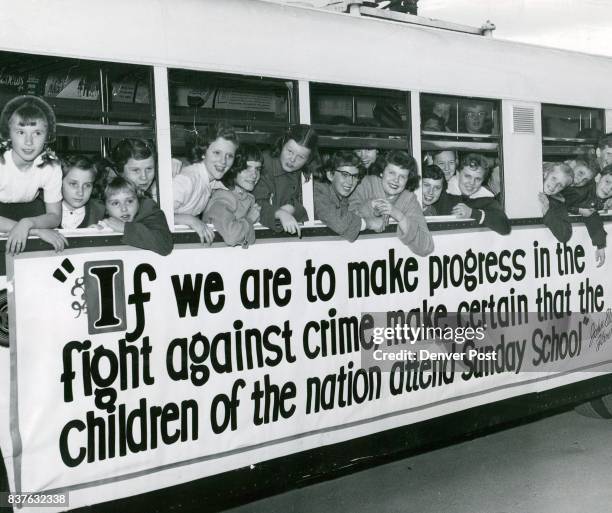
522 152
61 417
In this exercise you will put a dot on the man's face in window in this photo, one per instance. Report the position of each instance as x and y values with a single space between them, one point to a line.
475 117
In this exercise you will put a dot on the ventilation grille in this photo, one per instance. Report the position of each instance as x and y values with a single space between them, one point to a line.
523 120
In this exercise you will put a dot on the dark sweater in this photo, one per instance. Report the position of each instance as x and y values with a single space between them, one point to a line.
557 219
486 210
586 197
149 229
277 188
94 212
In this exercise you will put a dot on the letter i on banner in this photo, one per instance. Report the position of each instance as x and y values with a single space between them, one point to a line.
105 295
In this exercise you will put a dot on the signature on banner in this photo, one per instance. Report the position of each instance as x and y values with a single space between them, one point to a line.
601 330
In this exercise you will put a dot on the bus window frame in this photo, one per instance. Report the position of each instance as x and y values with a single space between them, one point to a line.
98 122
216 78
395 139
567 145
456 141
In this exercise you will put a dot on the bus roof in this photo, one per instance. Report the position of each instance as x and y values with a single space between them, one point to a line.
255 37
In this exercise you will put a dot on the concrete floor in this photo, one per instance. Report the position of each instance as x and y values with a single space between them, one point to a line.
561 464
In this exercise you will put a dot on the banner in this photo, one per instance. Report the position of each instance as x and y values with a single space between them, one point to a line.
126 365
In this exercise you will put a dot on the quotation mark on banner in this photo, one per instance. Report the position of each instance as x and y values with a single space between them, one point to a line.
58 273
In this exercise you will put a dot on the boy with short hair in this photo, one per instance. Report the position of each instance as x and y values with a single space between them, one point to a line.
466 198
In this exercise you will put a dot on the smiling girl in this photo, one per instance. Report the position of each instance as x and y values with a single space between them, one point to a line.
279 192
233 212
390 196
27 125
193 184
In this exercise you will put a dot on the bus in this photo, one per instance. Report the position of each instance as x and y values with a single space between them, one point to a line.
226 373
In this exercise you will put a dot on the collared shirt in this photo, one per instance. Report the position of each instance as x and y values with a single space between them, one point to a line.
72 217
192 188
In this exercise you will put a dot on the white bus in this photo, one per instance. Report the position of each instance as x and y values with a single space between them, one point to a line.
232 373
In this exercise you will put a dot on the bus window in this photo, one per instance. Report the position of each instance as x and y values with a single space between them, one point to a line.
96 103
452 129
364 120
227 109
466 117
568 132
258 109
357 121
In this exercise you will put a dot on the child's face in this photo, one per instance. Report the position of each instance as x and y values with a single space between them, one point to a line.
470 180
604 187
247 178
447 162
77 186
27 139
140 172
122 205
582 175
368 157
442 109
431 190
219 157
344 180
394 179
293 156
604 156
475 117
555 182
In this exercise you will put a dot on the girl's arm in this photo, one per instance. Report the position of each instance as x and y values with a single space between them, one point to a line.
222 213
412 228
197 225
299 212
18 233
360 201
52 237
6 224
51 219
595 227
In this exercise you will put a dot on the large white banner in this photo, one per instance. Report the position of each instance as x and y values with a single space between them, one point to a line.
131 367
